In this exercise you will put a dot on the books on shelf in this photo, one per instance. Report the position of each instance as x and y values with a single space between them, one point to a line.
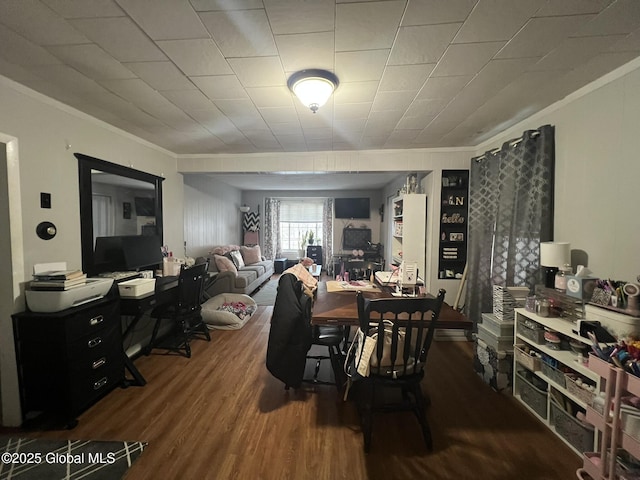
57 281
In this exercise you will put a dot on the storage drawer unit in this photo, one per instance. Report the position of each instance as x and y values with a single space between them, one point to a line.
68 360
314 252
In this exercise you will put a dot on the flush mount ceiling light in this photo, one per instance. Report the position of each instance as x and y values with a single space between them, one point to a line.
313 87
245 208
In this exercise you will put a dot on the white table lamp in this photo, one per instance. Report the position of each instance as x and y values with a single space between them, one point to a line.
553 256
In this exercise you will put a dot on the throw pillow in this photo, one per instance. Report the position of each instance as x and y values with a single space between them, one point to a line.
224 264
251 254
236 258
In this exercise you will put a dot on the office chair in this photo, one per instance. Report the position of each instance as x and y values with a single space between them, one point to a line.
399 357
184 312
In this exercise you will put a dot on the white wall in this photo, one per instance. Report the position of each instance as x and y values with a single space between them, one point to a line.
44 129
211 215
597 136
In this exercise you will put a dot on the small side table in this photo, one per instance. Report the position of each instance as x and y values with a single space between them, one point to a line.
280 265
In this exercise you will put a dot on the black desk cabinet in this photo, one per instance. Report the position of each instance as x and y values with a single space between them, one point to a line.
68 360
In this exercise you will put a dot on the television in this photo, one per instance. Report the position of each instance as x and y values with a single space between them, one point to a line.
145 206
356 239
352 207
127 253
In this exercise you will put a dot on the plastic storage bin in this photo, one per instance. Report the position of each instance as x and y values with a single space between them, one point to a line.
571 429
532 396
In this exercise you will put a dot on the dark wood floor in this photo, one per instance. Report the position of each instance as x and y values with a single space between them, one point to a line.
221 415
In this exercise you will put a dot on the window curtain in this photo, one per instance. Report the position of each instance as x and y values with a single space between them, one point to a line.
271 241
510 213
103 216
327 232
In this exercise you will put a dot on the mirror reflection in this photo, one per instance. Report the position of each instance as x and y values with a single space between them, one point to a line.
115 201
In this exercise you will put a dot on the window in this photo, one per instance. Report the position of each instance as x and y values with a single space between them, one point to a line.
297 217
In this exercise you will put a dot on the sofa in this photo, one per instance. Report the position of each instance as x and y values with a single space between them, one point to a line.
237 269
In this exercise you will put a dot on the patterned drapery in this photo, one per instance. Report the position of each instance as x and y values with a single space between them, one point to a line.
510 213
271 234
327 232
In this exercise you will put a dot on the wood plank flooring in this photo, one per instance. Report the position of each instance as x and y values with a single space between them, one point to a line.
221 415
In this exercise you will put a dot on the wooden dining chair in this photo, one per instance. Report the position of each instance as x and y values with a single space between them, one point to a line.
403 329
185 312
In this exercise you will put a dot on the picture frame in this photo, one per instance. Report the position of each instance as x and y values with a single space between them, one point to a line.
412 183
456 237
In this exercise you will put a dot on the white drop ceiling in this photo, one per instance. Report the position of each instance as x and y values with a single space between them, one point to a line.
209 76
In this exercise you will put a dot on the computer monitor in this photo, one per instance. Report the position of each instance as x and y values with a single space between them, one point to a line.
127 252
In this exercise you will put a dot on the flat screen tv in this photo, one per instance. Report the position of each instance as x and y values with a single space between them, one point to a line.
145 207
352 207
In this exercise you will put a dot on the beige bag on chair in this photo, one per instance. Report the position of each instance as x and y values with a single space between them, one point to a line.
385 362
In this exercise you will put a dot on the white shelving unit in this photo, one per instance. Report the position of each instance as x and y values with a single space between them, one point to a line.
410 230
543 403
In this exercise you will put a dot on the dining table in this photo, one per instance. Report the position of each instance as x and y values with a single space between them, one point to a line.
333 306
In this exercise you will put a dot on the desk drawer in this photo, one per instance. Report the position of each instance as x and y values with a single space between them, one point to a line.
93 320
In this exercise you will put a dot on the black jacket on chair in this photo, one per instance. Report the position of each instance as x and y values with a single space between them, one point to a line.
290 334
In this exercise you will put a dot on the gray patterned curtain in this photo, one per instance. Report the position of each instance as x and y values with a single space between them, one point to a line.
327 232
510 213
271 234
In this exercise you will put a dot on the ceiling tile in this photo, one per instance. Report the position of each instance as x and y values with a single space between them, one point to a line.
92 61
360 66
38 23
466 58
367 26
271 97
405 77
258 71
431 12
241 33
418 122
294 16
630 43
621 17
356 92
188 100
220 87
422 44
196 57
218 5
120 37
426 108
85 8
574 51
286 129
540 35
65 76
443 87
351 111
161 75
240 112
393 100
165 20
572 7
16 49
496 20
306 50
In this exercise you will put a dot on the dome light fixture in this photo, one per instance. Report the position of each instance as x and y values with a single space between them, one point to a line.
245 208
313 87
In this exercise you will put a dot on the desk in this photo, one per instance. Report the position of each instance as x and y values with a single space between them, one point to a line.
165 292
339 308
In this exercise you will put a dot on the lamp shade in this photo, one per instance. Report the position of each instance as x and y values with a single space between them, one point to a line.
555 254
313 87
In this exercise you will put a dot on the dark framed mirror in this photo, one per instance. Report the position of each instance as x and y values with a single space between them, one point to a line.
115 201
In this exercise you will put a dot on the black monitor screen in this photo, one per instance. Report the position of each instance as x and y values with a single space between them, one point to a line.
145 207
127 252
352 207
356 238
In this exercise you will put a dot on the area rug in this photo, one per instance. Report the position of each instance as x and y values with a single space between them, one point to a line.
44 459
266 296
